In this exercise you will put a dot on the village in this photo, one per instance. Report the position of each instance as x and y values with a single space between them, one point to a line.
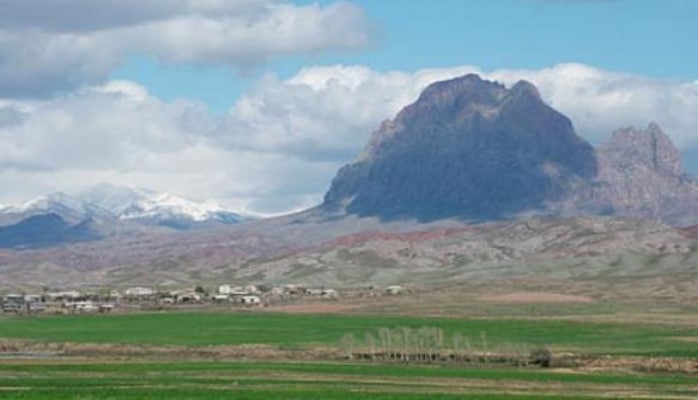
146 298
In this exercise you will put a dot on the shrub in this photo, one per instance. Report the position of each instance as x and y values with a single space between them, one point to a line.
542 356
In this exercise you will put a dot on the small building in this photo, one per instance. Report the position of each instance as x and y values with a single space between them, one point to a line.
34 303
231 290
323 293
113 295
250 300
293 289
32 298
81 306
139 291
313 292
225 289
329 294
13 303
220 298
187 296
70 295
394 290
106 307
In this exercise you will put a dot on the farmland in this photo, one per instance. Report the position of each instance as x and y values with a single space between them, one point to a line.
283 380
305 330
270 355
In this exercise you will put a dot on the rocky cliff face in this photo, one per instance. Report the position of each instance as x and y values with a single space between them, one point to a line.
640 175
476 150
466 148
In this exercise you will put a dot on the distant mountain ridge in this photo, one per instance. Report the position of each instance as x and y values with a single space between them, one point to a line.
475 150
103 211
641 175
47 230
166 209
547 203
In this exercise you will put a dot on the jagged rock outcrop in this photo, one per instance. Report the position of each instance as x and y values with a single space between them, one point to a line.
466 148
475 150
640 175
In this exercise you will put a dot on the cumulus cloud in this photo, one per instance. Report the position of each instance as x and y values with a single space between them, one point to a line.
119 133
599 101
53 46
307 108
280 144
83 15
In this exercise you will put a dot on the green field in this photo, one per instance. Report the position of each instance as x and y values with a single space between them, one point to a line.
299 330
100 376
283 380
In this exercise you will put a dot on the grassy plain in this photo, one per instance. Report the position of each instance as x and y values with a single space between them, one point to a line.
303 330
590 330
285 380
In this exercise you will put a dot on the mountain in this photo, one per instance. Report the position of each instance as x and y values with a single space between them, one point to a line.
466 148
640 175
160 209
69 208
475 150
44 230
474 182
53 220
618 256
103 211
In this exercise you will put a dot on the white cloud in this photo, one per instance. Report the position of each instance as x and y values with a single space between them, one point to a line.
599 101
280 145
119 133
85 15
48 47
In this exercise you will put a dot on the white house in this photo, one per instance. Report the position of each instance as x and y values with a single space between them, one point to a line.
32 298
250 300
187 296
66 295
220 298
293 289
233 290
139 291
225 289
324 293
394 290
329 294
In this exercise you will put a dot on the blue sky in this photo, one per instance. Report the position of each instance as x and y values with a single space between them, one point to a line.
648 37
257 103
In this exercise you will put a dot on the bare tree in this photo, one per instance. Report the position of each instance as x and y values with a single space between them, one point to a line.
348 342
371 343
384 336
483 342
407 341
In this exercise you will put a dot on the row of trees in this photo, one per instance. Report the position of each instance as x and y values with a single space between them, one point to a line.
429 344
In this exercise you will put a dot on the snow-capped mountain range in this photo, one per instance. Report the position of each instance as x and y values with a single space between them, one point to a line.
105 202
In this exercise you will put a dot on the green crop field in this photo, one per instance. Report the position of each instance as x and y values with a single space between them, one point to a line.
298 330
102 376
284 380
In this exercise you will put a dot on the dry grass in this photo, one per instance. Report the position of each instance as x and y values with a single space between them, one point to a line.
536 297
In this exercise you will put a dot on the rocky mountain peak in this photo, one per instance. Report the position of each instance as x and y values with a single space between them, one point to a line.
524 88
473 149
470 85
466 148
630 147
